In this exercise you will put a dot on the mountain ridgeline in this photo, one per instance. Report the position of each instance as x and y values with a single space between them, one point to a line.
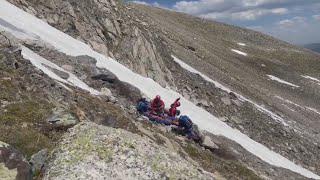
313 47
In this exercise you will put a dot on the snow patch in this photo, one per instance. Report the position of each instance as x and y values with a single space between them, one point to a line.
224 88
313 110
297 105
282 81
312 78
41 64
239 52
241 44
289 102
192 70
204 119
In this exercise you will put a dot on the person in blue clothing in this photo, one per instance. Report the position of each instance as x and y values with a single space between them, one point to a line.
185 127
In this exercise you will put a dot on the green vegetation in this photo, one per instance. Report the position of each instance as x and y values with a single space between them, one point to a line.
230 169
83 146
22 113
17 126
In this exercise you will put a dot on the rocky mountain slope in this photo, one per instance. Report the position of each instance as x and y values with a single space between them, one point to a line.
265 89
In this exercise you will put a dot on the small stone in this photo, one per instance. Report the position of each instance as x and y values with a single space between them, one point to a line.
113 99
67 67
226 101
207 142
202 103
236 102
223 119
132 110
236 119
6 78
144 23
188 88
106 92
24 125
4 103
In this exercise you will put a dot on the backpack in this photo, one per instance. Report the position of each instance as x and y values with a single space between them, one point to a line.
185 122
143 106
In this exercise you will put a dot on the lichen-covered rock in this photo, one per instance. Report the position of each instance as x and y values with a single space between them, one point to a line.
61 118
91 151
208 143
37 161
13 165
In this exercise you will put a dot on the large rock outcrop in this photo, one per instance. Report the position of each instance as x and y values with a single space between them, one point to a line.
91 151
111 29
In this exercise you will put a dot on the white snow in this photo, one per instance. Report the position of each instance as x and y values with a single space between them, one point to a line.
297 105
313 110
150 88
239 52
282 81
241 44
289 102
192 70
41 64
312 78
224 88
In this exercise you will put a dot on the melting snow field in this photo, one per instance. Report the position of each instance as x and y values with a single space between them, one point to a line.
239 52
242 98
41 64
73 47
312 78
297 105
241 44
281 81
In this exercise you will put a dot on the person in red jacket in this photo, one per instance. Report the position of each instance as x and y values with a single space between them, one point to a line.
173 112
157 106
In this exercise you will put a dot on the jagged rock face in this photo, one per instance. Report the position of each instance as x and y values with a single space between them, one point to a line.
90 151
111 29
12 164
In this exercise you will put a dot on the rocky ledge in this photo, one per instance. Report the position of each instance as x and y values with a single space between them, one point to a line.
91 151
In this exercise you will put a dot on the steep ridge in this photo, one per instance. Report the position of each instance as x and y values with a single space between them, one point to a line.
75 48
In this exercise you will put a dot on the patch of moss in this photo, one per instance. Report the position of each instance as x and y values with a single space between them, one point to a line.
230 169
191 150
106 114
7 90
26 140
83 146
18 126
27 111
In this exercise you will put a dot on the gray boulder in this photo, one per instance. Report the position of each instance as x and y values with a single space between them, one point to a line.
91 151
209 144
60 118
37 161
13 165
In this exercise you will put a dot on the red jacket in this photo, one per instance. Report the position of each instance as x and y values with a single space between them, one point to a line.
173 109
157 106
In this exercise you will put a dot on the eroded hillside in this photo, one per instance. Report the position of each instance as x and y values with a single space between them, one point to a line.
265 88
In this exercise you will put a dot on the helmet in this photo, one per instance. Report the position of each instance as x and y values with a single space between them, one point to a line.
158 98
